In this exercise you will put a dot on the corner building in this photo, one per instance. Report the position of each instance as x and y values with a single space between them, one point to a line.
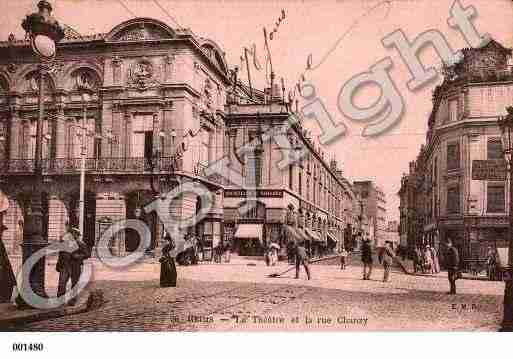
161 107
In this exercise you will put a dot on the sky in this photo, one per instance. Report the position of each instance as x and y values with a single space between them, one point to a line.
319 29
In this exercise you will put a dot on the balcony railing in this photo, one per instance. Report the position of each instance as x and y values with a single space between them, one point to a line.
112 165
130 165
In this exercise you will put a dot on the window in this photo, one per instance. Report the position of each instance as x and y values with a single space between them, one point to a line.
300 188
453 200
453 110
496 197
494 149
291 177
453 156
142 136
314 191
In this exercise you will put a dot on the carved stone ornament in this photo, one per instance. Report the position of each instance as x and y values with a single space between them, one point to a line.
56 67
117 61
141 75
84 80
207 94
12 67
169 59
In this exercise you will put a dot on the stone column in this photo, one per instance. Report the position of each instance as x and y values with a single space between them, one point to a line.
60 134
167 126
15 133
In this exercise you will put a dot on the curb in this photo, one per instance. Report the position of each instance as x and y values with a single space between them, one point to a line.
94 301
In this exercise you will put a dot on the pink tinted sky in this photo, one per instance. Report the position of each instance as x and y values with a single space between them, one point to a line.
310 27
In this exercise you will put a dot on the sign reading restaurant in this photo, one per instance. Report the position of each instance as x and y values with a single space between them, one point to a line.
260 193
489 170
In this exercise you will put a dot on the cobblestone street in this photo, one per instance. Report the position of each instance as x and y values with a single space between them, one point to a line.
241 296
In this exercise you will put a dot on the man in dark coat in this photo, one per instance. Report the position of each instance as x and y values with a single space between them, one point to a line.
302 259
453 262
7 278
387 258
69 265
367 259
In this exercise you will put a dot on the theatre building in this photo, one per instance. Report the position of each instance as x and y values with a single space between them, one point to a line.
149 106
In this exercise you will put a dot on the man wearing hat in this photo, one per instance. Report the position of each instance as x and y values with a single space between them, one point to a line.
302 259
69 264
7 278
452 262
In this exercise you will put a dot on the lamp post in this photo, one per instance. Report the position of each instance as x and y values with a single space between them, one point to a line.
506 127
83 154
44 32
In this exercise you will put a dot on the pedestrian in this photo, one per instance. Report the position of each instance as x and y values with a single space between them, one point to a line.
386 257
491 263
302 259
167 264
453 262
69 264
436 261
428 260
7 278
367 259
290 251
227 251
343 259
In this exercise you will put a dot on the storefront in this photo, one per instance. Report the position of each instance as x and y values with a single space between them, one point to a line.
248 238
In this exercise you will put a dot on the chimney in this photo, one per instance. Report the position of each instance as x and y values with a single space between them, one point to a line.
412 167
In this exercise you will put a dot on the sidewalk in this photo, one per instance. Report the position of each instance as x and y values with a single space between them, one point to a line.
11 316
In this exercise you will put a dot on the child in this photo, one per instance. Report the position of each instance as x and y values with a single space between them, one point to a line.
343 256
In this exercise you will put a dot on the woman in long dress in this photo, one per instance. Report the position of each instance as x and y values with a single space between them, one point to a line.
428 260
436 262
168 265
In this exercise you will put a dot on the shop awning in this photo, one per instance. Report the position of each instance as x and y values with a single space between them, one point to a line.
313 235
331 237
249 231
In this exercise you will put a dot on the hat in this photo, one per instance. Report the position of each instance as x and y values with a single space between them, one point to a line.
75 230
43 4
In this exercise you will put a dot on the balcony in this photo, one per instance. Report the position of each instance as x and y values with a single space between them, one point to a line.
61 166
109 166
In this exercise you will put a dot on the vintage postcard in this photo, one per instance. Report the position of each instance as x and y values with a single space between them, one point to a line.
255 166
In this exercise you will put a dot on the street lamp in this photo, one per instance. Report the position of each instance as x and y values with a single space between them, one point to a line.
44 32
506 127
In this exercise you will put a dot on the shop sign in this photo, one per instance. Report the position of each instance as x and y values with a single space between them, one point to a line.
259 193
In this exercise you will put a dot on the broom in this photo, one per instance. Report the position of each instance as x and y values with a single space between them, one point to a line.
276 275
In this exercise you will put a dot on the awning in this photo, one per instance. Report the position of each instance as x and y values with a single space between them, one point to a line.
249 231
313 235
331 237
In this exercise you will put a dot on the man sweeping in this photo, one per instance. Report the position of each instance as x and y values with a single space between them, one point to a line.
302 259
